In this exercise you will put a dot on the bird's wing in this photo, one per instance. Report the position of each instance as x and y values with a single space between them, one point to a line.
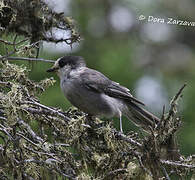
96 81
116 90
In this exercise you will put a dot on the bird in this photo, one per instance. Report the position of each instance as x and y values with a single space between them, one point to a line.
96 95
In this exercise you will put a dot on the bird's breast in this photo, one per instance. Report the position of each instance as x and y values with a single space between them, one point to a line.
66 86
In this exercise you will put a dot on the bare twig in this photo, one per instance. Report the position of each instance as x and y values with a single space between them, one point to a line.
177 164
12 43
23 48
174 101
68 41
179 93
27 59
165 172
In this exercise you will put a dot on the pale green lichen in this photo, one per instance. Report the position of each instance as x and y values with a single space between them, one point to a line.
41 139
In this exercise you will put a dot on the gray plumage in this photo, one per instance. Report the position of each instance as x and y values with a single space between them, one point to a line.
96 95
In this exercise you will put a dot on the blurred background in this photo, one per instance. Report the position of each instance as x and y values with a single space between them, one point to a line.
131 42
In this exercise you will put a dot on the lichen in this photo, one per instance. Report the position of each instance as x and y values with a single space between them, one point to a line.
37 141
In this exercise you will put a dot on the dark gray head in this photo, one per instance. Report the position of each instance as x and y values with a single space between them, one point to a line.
70 62
73 61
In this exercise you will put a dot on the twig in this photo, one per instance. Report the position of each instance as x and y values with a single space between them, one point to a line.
68 41
142 166
39 162
177 164
7 55
179 93
163 113
114 173
160 123
30 131
27 139
165 172
62 144
26 59
3 118
43 153
173 103
52 111
13 44
3 129
119 135
24 48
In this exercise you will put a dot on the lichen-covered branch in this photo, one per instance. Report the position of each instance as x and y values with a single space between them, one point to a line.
30 22
41 142
35 20
37 141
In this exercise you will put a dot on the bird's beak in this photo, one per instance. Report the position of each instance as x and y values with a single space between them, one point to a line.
53 69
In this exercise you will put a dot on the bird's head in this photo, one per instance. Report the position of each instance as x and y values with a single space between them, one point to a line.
66 64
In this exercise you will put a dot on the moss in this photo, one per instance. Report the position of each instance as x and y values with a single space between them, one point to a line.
40 142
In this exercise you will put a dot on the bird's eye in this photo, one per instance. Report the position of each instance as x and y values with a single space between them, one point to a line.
62 63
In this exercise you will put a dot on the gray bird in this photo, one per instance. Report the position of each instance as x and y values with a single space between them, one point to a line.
96 95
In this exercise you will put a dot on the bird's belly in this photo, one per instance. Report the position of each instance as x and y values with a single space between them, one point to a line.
91 102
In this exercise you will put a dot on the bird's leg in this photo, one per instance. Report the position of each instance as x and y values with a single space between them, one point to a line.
121 126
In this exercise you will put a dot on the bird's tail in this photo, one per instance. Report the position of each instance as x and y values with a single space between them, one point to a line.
141 117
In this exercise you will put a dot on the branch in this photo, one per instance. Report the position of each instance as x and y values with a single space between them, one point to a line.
114 173
177 164
47 164
69 143
14 43
37 22
26 59
49 110
174 102
121 136
30 131
21 49
179 93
